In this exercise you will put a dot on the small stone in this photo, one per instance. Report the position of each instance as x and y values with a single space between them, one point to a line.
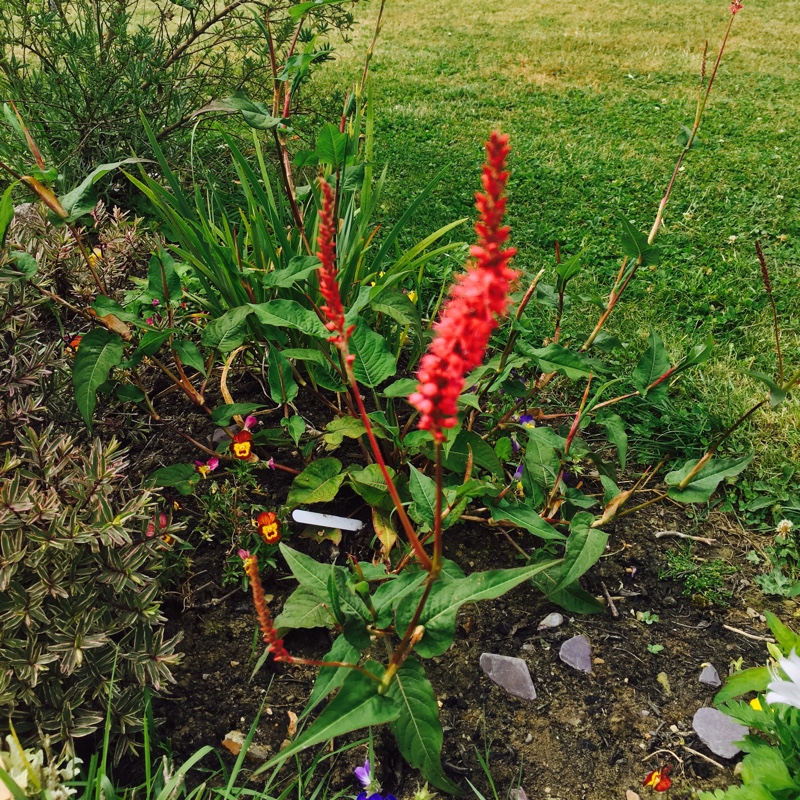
577 653
551 621
718 732
510 673
631 795
529 738
519 794
234 663
710 677
206 676
663 680
669 600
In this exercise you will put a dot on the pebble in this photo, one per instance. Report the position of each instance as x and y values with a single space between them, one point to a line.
710 677
551 621
510 673
577 653
663 680
631 795
718 732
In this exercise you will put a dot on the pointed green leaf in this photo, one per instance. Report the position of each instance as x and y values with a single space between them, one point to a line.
308 572
227 332
99 353
777 394
786 638
556 358
190 355
6 211
584 547
339 428
296 426
83 198
161 276
300 267
370 484
704 484
223 415
302 609
525 516
319 482
423 490
615 432
483 455
417 729
357 705
282 385
635 246
331 678
542 459
374 360
331 145
290 314
402 388
652 365
750 680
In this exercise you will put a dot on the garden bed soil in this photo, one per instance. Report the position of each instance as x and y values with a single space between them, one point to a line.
588 736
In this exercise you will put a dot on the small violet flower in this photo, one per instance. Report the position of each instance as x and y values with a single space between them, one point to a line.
364 774
206 467
518 473
250 422
515 445
527 421
781 691
156 302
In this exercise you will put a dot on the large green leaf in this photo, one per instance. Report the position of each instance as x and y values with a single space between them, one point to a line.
163 282
356 705
525 517
750 680
423 490
290 314
331 678
542 457
6 211
308 572
556 358
388 595
339 428
483 454
704 484
223 415
300 267
449 594
190 355
331 145
282 385
584 547
374 360
417 729
349 610
319 482
786 638
652 365
227 332
303 609
635 246
777 394
99 353
615 431
83 198
182 477
370 484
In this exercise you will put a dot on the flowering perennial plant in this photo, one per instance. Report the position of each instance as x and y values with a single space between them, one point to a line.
477 300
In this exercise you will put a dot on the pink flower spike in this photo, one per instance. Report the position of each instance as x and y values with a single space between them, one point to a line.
250 422
244 554
271 463
736 6
212 463
155 302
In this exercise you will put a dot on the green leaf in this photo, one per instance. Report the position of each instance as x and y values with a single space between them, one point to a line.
339 428
331 678
388 595
174 475
300 267
128 393
305 354
357 705
542 459
99 353
503 448
556 358
482 453
567 270
616 434
652 365
308 572
282 386
6 211
584 547
777 394
27 265
703 485
397 306
290 314
750 680
449 594
369 483
103 306
190 355
786 638
402 388
349 610
297 11
423 490
227 332
223 415
374 360
331 145
526 517
83 198
319 482
684 134
169 279
303 609
417 729
296 425
635 246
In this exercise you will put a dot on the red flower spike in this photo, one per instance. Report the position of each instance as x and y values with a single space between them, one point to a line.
268 527
274 643
478 298
242 444
327 273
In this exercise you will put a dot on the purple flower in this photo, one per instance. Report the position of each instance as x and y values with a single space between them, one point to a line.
376 796
515 445
527 421
250 422
518 473
364 775
155 302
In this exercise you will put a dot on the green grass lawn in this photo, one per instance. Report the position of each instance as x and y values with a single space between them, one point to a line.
593 96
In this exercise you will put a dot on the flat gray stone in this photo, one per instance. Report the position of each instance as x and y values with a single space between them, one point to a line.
510 673
551 621
718 732
710 677
577 653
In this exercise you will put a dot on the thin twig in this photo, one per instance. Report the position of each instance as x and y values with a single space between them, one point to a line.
704 757
753 636
678 535
611 607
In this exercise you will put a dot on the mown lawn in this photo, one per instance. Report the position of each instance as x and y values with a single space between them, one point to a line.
593 96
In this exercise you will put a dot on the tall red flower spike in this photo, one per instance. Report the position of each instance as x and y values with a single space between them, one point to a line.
274 643
477 300
327 274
